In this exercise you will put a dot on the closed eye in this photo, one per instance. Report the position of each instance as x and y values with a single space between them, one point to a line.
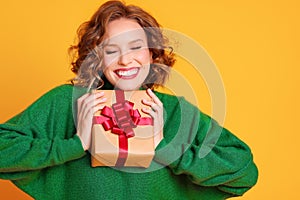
110 52
136 47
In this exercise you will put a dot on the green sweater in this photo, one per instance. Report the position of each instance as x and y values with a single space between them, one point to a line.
40 154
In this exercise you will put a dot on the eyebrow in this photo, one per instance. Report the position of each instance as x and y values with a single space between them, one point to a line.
137 40
131 42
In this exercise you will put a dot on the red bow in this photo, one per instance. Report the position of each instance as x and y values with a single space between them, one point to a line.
121 119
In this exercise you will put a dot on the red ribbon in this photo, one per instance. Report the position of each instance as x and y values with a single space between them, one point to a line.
121 119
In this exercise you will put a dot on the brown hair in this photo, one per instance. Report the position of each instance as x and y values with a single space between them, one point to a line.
87 62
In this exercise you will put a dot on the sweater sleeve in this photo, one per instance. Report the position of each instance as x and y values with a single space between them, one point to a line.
41 136
208 154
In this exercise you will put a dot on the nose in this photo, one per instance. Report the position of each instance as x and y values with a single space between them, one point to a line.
125 59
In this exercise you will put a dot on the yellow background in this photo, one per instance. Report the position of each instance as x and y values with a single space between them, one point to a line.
255 45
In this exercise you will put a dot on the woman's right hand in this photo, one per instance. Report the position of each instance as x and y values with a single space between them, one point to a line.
87 105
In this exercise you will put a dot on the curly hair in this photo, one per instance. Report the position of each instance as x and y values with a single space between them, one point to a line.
87 59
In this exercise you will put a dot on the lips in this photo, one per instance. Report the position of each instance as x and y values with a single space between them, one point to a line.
127 73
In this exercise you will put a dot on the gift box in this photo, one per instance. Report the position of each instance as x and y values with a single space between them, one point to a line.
122 135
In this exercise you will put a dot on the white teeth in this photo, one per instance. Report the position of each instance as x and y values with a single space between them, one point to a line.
127 72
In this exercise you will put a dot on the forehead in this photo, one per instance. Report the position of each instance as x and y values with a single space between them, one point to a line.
124 30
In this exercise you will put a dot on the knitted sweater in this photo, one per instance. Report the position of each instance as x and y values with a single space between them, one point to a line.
41 154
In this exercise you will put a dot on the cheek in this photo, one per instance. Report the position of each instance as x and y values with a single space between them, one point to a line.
144 56
108 60
107 66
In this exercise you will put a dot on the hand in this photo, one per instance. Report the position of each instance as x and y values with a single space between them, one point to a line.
156 112
87 105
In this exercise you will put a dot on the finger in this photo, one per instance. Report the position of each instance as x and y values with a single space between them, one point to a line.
85 119
150 112
157 121
154 97
156 108
147 102
155 115
86 99
89 96
89 102
91 112
93 107
80 99
97 92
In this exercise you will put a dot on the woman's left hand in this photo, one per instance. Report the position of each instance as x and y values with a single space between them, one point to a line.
156 112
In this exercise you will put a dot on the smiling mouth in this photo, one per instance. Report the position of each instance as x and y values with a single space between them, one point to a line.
129 73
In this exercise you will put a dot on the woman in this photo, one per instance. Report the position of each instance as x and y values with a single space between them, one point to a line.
44 152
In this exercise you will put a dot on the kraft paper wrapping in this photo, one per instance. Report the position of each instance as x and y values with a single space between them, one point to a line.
105 144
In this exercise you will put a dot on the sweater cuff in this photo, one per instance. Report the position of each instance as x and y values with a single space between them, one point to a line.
165 155
71 149
161 145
